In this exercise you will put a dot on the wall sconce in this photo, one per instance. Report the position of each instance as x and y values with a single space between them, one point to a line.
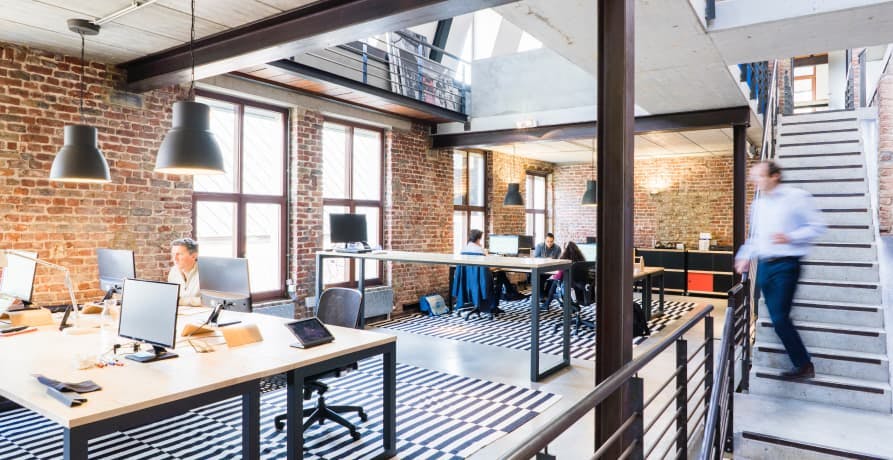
657 184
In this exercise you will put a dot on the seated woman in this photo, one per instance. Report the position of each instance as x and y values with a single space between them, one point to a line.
572 253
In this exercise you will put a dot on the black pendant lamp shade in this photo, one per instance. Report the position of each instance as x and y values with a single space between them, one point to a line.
513 195
79 159
590 197
190 147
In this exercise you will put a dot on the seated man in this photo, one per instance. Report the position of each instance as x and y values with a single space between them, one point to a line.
502 286
549 249
184 254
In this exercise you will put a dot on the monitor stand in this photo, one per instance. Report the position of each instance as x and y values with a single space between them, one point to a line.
157 354
353 249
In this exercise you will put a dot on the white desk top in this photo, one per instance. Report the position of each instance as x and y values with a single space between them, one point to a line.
135 386
454 259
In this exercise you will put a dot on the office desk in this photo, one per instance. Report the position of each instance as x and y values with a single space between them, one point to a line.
137 393
534 266
647 276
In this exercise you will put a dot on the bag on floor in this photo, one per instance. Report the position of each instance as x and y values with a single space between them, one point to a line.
433 304
640 325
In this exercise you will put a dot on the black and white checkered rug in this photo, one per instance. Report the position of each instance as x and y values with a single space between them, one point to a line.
512 328
439 416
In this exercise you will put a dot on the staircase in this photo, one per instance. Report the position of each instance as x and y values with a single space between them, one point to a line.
837 309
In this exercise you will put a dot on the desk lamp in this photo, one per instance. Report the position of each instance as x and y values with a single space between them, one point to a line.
68 329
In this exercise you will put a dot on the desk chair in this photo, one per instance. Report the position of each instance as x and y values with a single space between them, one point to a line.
473 284
583 293
338 307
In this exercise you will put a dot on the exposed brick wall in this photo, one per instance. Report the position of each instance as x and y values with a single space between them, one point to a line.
501 169
305 212
884 104
695 196
65 223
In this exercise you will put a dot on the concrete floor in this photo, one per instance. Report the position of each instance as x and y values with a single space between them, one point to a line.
511 367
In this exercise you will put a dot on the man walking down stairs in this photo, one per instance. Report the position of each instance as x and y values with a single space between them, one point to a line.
844 410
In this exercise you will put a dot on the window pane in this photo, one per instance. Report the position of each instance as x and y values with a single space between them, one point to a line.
215 228
263 246
476 179
804 70
477 220
803 85
334 270
262 152
366 164
334 161
539 225
223 125
459 178
529 227
460 234
528 191
372 237
539 192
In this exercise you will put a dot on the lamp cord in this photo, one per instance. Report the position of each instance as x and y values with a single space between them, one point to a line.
83 87
192 51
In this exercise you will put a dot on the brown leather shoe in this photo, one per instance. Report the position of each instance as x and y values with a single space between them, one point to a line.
807 371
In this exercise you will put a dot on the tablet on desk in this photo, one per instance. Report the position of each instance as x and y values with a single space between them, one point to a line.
309 332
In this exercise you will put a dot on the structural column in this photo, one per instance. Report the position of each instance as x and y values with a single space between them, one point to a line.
739 184
615 214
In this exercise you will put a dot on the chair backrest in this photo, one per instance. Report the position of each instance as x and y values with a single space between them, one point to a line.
340 307
580 271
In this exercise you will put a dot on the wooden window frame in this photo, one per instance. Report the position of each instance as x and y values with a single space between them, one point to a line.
545 210
465 207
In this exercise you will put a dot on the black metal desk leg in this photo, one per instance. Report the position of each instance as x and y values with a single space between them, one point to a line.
389 400
294 424
361 286
566 316
661 293
251 424
534 327
646 296
75 444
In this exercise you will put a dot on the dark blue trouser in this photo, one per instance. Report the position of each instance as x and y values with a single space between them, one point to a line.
778 280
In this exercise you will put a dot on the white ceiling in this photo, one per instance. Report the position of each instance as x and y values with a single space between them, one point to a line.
156 27
701 142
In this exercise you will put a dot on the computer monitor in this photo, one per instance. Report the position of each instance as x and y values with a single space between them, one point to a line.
225 279
592 239
506 245
525 242
115 265
149 315
18 276
348 228
588 250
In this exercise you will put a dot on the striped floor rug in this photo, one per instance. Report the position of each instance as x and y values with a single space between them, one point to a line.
512 328
439 415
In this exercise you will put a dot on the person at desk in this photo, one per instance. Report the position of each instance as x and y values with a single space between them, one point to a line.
572 253
184 254
548 248
501 281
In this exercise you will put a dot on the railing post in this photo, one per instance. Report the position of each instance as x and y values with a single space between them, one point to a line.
636 431
730 432
708 360
682 398
748 351
365 64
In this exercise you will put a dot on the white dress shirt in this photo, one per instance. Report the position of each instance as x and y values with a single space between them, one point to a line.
786 210
189 286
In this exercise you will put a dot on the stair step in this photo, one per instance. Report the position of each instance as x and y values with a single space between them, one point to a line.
816 311
868 366
835 270
818 150
859 292
841 201
831 389
847 216
788 429
825 125
824 186
847 234
799 161
836 336
816 117
848 134
850 171
855 252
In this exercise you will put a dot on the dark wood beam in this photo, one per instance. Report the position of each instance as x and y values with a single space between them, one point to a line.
318 25
682 121
614 296
739 184
812 59
313 73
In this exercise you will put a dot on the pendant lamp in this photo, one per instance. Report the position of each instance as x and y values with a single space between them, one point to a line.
79 159
513 196
590 196
190 148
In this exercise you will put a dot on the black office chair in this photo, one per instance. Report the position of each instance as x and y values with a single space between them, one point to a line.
337 307
583 293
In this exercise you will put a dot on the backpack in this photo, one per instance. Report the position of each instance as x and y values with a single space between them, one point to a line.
640 325
433 304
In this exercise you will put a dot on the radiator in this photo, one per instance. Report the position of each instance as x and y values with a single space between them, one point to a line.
379 301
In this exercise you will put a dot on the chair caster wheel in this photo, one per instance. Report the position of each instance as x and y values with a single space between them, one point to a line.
355 435
363 416
279 425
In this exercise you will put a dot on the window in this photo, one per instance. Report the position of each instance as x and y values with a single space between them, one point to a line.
804 83
242 213
537 196
469 195
352 183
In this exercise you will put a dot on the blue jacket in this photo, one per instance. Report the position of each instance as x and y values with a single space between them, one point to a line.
472 284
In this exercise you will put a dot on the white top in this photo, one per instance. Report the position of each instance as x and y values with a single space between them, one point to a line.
473 248
786 210
189 285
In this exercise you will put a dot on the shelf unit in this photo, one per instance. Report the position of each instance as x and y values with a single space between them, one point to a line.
708 273
673 261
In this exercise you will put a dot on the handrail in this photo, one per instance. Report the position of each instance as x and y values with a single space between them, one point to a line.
888 55
554 428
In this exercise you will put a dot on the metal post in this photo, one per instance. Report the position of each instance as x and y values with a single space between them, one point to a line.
636 431
748 350
251 423
534 325
730 432
319 271
361 286
739 185
682 399
365 63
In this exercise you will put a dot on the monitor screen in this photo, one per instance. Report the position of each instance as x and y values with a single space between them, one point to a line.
348 228
115 265
588 250
525 241
18 276
149 312
224 274
504 244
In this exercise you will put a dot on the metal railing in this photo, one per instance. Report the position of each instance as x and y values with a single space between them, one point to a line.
757 77
691 383
735 348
